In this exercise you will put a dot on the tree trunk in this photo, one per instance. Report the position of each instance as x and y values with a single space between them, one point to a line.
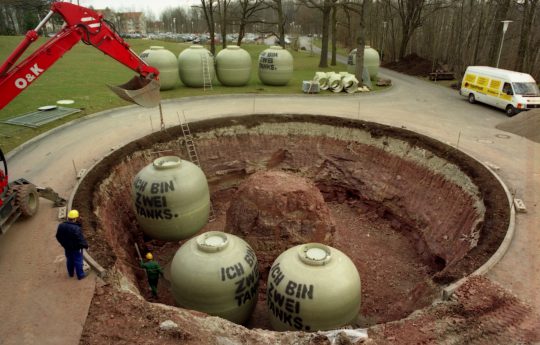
334 36
208 11
394 56
223 22
479 32
361 43
529 9
349 29
281 25
323 62
500 15
241 33
405 37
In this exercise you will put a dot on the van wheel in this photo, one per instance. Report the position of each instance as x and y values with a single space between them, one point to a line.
510 110
472 100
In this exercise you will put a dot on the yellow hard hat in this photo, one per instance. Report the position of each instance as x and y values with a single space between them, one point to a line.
73 214
149 256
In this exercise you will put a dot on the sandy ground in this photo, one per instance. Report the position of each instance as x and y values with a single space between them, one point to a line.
45 307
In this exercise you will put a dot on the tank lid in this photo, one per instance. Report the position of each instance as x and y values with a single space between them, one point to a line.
156 47
315 254
167 162
212 241
196 46
233 47
276 47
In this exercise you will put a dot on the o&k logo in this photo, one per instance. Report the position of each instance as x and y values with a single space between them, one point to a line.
35 71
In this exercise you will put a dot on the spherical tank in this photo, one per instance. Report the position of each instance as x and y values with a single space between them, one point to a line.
233 65
216 273
312 287
191 63
275 66
171 199
372 62
165 61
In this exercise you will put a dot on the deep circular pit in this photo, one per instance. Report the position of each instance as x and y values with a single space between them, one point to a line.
412 213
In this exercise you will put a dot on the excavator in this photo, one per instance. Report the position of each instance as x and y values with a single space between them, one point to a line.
20 197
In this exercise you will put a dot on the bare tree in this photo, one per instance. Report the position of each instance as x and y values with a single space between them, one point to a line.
208 7
325 7
222 7
333 60
18 16
501 11
246 14
277 5
362 10
528 8
413 13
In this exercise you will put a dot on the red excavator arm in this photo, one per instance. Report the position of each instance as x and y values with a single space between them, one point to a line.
90 27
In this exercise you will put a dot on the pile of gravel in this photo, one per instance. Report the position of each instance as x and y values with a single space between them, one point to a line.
525 124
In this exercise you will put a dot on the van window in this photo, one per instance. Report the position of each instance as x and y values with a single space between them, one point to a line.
526 89
507 89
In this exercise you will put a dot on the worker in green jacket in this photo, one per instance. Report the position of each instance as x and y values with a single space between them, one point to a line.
153 271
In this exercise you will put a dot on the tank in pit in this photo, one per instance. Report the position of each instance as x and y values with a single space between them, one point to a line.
313 287
171 199
216 273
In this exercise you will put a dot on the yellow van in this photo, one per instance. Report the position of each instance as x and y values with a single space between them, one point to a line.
508 90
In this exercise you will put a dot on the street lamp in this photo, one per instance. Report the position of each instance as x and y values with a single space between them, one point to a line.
174 24
505 27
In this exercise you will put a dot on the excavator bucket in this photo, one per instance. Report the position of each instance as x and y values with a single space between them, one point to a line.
139 90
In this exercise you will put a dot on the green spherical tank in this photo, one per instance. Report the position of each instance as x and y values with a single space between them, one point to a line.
312 287
275 66
216 273
372 62
165 61
171 199
191 63
233 65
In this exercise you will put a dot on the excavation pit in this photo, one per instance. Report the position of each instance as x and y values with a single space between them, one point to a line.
412 213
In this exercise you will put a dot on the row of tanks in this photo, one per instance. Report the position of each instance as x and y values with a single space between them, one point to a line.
232 66
310 286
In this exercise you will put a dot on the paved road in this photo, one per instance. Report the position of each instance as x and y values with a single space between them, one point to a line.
41 305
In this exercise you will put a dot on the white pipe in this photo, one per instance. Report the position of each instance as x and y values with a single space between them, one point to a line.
44 21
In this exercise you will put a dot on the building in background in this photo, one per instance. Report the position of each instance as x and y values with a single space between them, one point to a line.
126 23
132 23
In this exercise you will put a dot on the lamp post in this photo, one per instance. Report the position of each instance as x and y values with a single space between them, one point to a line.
174 24
505 27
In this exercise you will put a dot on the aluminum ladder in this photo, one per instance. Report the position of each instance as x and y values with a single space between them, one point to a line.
194 157
207 79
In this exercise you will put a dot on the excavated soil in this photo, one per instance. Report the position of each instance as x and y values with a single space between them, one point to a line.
413 65
480 313
525 124
412 213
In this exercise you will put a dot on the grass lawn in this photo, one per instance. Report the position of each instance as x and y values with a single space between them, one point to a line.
82 74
